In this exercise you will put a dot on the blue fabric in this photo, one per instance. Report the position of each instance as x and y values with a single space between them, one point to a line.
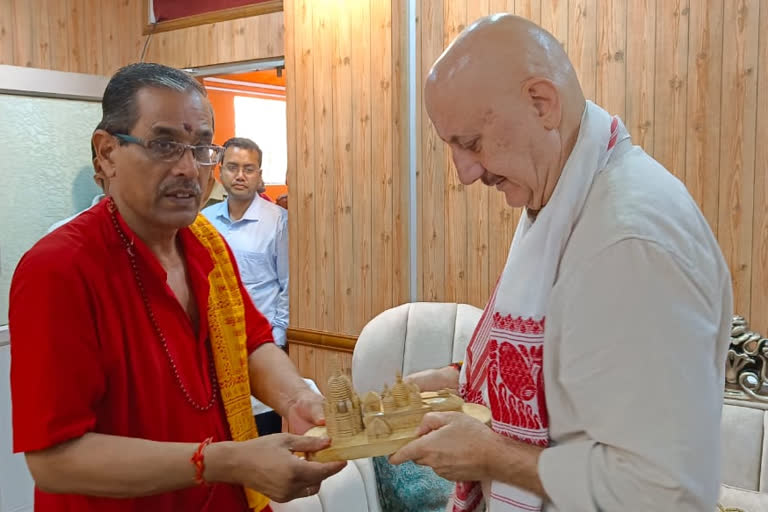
259 242
410 487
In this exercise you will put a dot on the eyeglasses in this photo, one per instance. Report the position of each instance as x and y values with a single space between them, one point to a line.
234 169
172 151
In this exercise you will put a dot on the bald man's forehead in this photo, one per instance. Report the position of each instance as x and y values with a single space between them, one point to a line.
456 117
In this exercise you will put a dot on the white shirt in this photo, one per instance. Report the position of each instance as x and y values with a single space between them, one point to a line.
638 328
259 241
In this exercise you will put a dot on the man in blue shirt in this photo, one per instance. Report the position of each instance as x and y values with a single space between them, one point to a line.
257 232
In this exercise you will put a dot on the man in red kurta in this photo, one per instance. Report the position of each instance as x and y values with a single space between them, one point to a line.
120 402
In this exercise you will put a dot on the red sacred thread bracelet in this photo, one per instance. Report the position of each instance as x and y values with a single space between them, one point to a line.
457 366
198 460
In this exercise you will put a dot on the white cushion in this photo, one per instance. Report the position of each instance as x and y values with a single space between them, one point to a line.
409 338
748 501
742 442
344 491
764 458
406 339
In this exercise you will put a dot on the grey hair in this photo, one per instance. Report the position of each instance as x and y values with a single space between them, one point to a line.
118 106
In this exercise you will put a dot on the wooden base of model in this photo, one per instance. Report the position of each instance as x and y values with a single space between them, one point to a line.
379 425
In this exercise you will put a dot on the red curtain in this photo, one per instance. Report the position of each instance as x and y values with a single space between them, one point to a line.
172 9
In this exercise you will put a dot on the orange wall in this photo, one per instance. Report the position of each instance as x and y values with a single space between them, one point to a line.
223 103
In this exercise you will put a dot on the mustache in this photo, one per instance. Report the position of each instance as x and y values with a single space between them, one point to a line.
490 179
190 187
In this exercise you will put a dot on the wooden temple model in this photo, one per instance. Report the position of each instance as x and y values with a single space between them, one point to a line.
379 423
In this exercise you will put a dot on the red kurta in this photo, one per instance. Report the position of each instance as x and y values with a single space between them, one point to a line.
85 357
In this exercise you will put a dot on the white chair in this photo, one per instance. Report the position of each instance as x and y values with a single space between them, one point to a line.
417 336
407 339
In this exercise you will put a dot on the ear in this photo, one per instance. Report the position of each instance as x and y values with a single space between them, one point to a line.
545 98
104 145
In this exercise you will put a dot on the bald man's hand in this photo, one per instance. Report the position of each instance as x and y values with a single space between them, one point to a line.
455 445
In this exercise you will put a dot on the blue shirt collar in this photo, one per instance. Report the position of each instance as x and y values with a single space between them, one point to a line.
251 214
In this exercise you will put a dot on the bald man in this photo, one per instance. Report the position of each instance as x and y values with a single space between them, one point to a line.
601 351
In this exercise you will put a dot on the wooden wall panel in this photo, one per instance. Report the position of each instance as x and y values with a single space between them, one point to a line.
478 202
432 173
303 249
346 134
582 42
688 79
705 55
361 302
759 296
400 154
671 74
100 36
343 227
502 219
318 363
382 200
83 36
611 84
455 203
737 155
324 26
257 37
641 64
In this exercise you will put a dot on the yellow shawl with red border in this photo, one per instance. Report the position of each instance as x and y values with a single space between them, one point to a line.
226 327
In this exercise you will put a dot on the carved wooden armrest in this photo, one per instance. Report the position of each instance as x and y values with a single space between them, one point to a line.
746 367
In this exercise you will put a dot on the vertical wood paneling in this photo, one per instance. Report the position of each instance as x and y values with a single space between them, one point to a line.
7 33
343 229
582 42
324 27
611 52
326 364
759 300
382 199
671 84
258 37
303 283
110 54
554 18
502 219
737 153
400 154
641 64
292 172
478 209
530 9
42 53
348 162
432 174
362 298
22 29
80 52
455 204
83 36
705 56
